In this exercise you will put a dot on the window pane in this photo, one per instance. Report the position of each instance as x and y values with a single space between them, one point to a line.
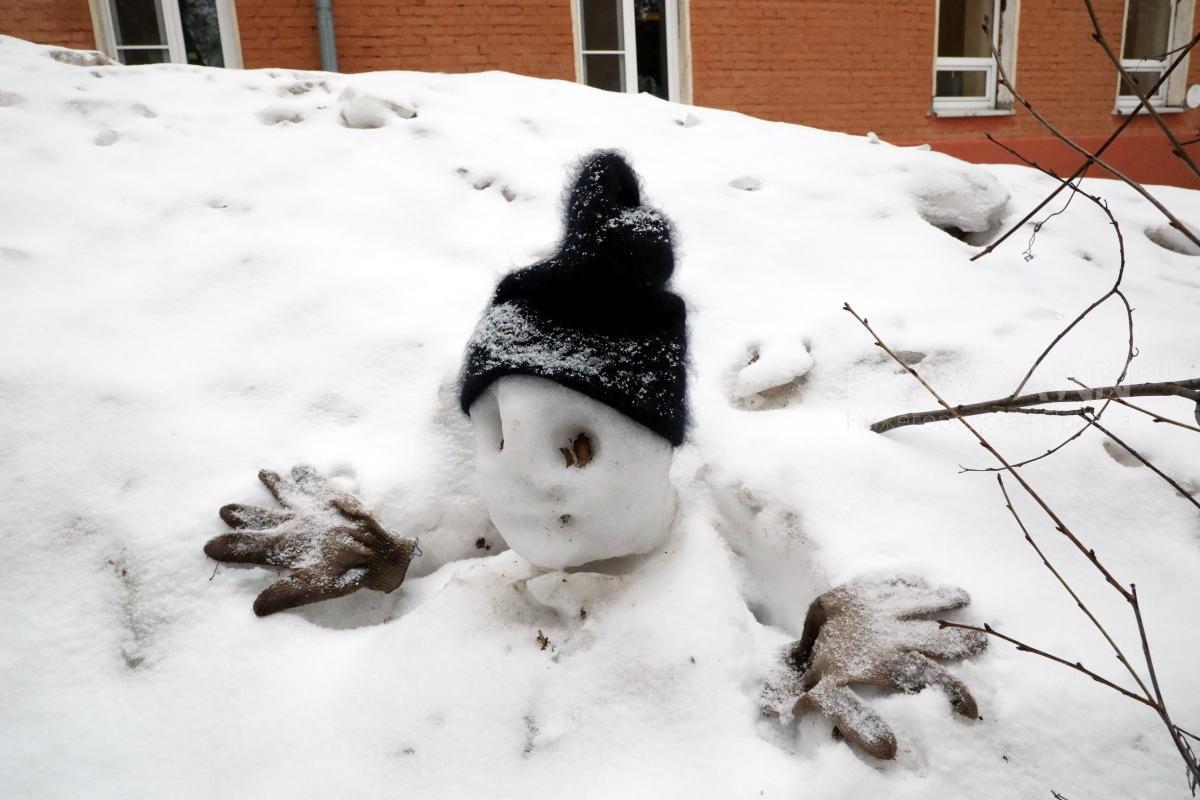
961 83
1144 80
605 72
602 25
650 22
1146 29
960 28
201 32
135 57
138 22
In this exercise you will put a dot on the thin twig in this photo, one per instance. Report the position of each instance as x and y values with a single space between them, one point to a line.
1050 412
1116 287
1176 148
1093 158
1037 226
1146 411
1146 462
1184 388
1063 582
1185 750
1130 594
1059 525
1046 454
1028 648
1083 168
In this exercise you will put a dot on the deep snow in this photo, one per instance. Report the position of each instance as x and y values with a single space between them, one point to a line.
206 272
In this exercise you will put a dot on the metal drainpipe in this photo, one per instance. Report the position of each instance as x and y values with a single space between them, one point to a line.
325 35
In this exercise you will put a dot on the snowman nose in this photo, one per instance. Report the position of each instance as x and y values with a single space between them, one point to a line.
579 454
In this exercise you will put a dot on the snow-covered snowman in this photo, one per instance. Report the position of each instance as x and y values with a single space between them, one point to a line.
575 383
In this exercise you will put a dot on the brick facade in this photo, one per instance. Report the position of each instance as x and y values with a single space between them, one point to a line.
530 37
848 65
278 33
852 65
63 22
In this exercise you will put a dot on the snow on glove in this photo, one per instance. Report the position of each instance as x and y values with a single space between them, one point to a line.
335 545
871 631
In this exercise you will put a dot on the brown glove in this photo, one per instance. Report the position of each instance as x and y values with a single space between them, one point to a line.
870 632
335 545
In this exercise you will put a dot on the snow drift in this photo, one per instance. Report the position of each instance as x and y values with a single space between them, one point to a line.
206 272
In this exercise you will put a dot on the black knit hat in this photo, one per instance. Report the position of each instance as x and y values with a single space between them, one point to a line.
597 316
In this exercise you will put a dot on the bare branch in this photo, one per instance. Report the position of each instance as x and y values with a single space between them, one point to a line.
1176 147
1083 168
1063 582
1093 158
1146 411
1186 496
1130 594
1059 525
1114 291
1189 388
1028 648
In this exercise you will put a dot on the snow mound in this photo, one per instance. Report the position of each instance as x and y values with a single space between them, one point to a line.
238 280
358 109
959 198
1168 238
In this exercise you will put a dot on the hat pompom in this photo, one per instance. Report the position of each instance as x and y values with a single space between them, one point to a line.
610 239
604 183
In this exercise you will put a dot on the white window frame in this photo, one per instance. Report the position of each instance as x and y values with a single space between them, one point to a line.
1171 94
629 38
1004 19
106 39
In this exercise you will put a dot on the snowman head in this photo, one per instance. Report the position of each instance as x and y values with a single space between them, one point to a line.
576 379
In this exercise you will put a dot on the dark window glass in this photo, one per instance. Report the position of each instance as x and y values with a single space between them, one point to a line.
135 57
961 83
650 22
201 32
1144 80
1147 26
604 71
138 22
602 25
960 28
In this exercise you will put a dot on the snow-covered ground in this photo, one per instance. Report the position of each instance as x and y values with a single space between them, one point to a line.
206 272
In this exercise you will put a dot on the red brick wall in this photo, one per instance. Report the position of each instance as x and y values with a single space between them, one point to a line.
531 37
63 22
278 33
856 66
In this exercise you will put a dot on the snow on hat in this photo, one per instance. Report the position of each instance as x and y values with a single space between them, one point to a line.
597 316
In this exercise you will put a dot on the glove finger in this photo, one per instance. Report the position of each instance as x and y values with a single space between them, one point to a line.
904 596
912 672
340 551
925 636
276 486
253 518
305 586
352 509
308 479
857 721
386 571
245 548
929 599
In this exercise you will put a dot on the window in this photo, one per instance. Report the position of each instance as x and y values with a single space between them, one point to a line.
629 45
965 75
1152 29
202 32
